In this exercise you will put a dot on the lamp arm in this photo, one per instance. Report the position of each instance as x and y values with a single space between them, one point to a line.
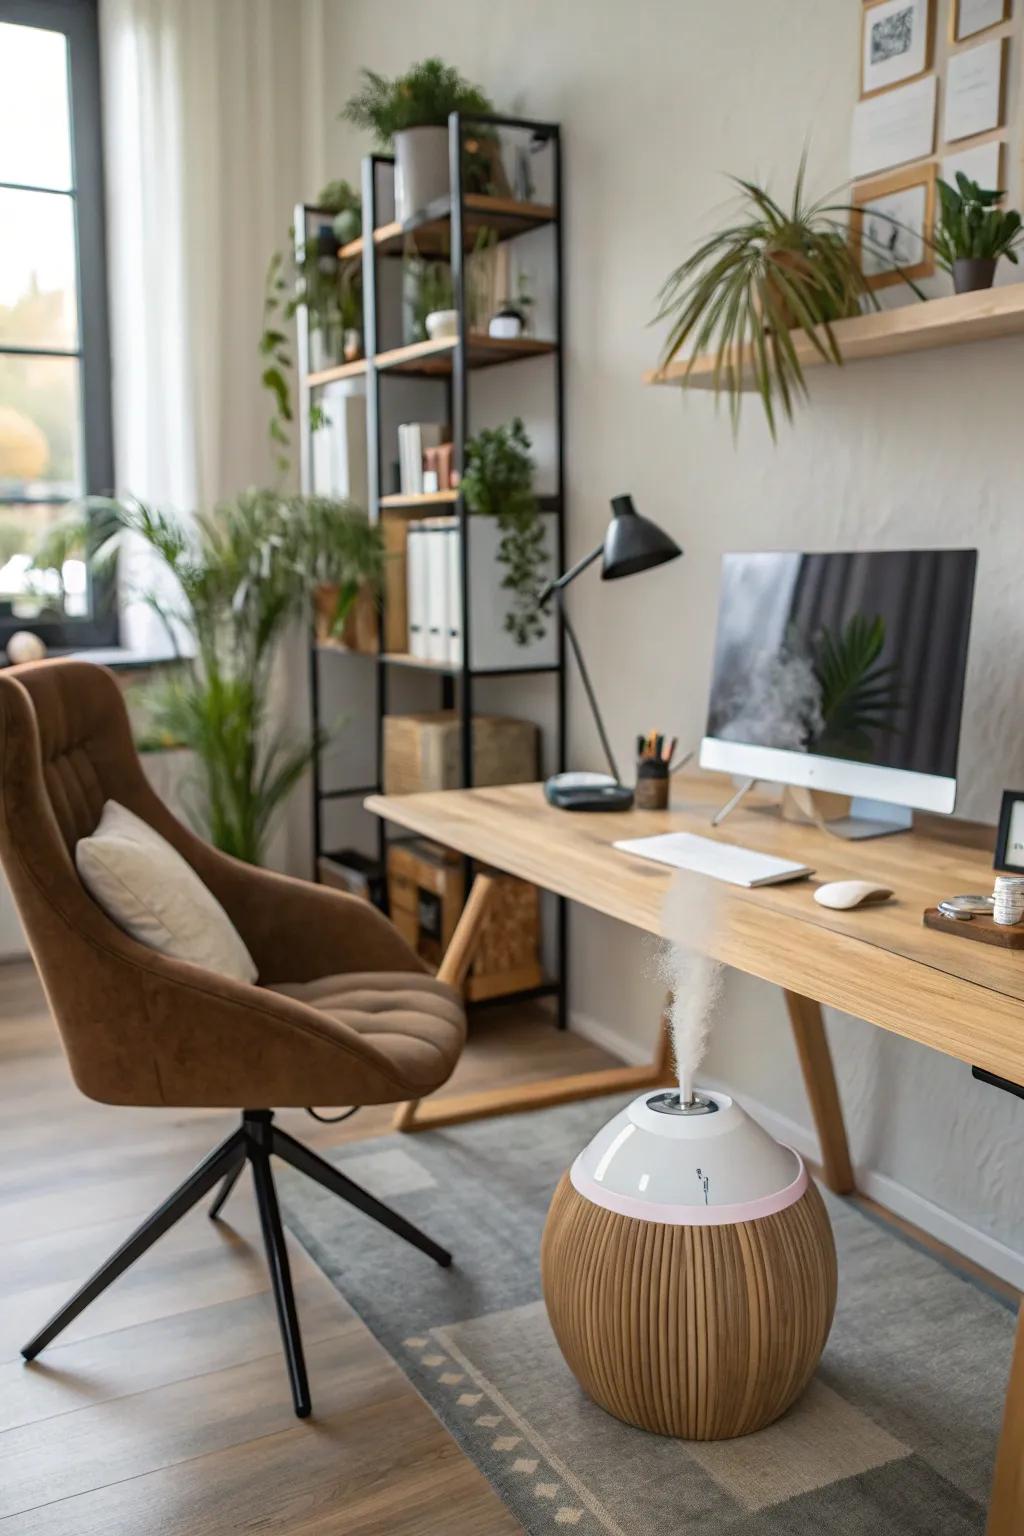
584 674
570 575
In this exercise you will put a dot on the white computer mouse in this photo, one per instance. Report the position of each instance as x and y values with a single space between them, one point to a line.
843 894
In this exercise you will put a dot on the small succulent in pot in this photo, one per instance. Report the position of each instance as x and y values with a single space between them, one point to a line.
973 233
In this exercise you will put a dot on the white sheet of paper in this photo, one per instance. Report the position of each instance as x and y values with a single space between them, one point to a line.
973 87
980 164
894 127
976 15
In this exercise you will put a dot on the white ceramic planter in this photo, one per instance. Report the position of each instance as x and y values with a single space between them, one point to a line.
442 322
421 169
491 645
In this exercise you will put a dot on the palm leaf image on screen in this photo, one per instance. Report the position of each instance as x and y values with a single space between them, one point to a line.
858 695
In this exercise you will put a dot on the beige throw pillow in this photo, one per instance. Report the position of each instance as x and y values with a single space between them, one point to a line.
149 890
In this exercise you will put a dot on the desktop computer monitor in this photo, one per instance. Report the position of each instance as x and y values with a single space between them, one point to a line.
843 672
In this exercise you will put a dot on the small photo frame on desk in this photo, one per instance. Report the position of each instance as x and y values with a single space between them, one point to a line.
896 43
1010 836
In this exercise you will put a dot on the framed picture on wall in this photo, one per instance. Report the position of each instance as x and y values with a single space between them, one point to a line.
896 43
1010 836
983 163
975 90
969 17
892 224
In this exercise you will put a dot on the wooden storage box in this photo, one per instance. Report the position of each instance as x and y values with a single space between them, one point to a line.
423 751
426 889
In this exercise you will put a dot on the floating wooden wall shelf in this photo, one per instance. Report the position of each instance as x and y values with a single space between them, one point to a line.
916 327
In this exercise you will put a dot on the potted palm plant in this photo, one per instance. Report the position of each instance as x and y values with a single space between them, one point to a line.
242 574
410 116
972 233
745 289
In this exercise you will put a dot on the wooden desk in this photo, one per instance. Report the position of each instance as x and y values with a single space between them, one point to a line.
879 963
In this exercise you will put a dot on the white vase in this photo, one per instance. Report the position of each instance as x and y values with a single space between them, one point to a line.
442 322
421 169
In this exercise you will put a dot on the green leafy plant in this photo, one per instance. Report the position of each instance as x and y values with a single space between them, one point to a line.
858 695
241 574
421 98
744 290
332 292
341 550
342 199
971 227
431 290
498 482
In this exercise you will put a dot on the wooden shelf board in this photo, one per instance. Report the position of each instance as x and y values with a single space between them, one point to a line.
404 659
916 327
430 235
399 503
435 357
341 371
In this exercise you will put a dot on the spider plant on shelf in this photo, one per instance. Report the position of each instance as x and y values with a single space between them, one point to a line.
498 482
973 233
746 289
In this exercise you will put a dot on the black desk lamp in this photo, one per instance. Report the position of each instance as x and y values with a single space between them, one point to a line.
631 544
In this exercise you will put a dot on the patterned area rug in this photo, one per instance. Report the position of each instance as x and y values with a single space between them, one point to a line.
895 1437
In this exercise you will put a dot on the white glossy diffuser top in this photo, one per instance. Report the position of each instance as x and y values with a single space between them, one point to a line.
688 1170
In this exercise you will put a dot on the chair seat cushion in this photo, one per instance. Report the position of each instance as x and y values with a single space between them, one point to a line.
416 1022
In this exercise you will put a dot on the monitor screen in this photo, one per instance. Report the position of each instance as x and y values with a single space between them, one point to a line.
851 656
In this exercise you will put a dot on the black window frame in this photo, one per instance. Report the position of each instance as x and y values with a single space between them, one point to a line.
78 20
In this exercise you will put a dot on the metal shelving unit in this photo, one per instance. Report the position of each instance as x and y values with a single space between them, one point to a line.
446 229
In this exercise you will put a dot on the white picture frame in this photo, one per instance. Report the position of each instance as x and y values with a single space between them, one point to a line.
982 163
892 225
893 127
969 17
896 43
974 90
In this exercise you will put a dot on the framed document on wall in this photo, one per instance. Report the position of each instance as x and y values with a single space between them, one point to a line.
893 127
969 17
892 225
975 96
896 43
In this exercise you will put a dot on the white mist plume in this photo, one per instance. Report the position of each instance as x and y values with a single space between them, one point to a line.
695 981
776 704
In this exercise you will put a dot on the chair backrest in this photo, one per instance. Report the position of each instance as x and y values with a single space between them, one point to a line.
65 749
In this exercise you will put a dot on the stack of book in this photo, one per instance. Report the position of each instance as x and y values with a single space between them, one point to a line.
434 590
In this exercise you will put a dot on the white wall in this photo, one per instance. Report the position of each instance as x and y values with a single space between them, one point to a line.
658 99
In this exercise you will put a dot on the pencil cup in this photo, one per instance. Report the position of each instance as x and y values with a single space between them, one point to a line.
651 784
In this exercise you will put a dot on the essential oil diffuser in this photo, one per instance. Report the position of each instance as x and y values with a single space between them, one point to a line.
689 1269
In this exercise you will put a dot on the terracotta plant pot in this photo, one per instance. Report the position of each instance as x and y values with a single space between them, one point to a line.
421 169
972 273
358 632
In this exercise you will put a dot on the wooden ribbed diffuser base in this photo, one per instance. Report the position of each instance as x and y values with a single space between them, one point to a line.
700 1332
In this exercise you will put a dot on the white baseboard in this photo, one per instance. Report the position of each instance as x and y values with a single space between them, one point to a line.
977 1246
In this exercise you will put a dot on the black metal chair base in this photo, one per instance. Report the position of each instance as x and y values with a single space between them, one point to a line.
256 1141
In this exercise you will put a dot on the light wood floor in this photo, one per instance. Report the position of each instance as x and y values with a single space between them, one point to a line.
164 1409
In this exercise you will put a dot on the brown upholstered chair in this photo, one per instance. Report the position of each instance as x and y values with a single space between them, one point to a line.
345 1012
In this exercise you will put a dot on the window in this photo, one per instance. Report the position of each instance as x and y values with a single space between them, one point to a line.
55 435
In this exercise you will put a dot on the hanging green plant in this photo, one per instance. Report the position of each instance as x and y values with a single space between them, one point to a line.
498 482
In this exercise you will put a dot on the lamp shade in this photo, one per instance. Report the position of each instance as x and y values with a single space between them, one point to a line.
633 543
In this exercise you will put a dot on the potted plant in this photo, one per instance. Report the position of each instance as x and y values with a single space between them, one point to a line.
743 290
973 233
410 116
430 301
498 483
343 555
243 573
331 289
342 199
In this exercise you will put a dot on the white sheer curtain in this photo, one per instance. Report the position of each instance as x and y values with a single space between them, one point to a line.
213 126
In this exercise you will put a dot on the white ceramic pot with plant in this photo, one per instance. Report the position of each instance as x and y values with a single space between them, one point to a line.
410 116
512 547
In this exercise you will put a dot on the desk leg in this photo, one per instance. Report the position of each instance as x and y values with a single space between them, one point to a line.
820 1082
1006 1510
454 968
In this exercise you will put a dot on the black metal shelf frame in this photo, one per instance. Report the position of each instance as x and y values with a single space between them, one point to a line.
456 385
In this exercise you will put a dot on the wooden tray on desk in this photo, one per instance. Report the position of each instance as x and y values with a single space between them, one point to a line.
984 929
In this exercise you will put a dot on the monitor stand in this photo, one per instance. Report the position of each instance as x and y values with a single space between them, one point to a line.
865 818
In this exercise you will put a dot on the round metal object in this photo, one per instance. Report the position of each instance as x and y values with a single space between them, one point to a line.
670 1103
